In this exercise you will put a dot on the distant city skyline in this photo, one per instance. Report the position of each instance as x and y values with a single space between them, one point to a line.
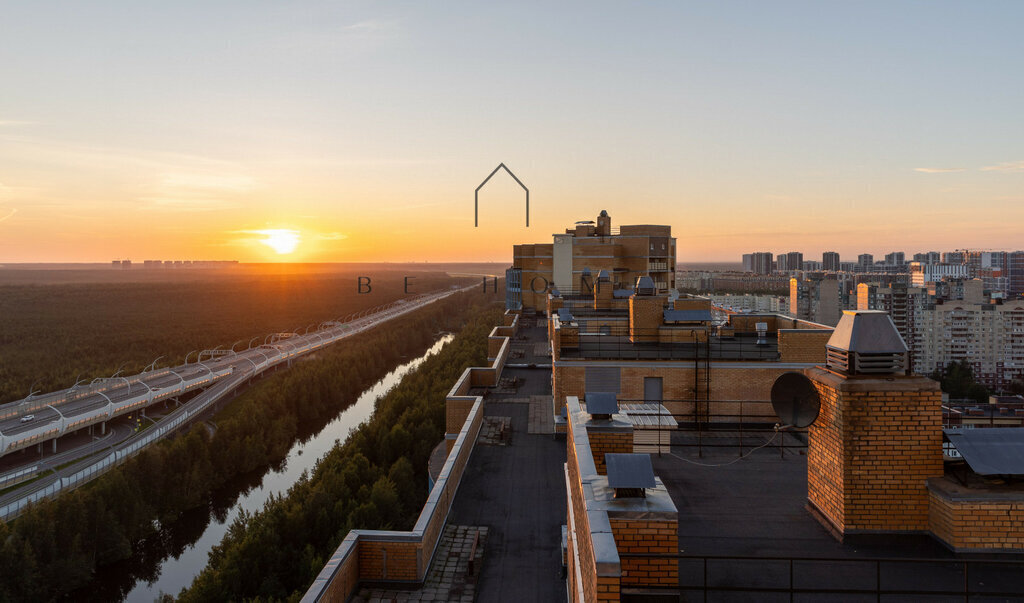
316 131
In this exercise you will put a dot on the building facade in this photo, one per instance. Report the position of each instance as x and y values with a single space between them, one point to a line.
575 259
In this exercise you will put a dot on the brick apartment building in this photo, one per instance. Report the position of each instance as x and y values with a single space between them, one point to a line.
575 258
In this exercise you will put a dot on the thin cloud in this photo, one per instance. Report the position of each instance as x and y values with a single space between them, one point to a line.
15 122
331 236
1009 166
10 212
931 170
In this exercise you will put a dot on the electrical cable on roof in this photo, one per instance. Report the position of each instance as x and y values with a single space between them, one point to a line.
739 458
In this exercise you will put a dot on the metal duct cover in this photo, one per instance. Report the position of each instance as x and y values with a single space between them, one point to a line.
645 286
629 470
601 403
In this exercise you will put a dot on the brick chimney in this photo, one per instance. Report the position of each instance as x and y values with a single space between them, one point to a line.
878 437
646 311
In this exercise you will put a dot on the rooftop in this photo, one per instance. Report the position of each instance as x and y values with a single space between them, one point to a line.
737 515
517 490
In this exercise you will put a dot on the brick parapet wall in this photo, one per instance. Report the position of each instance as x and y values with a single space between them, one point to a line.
977 524
875 444
594 576
803 345
404 557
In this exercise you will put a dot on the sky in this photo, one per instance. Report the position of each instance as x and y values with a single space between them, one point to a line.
358 131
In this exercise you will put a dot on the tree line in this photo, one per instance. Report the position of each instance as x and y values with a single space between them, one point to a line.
377 479
52 334
55 546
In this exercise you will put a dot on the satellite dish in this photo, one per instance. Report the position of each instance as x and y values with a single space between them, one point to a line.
795 400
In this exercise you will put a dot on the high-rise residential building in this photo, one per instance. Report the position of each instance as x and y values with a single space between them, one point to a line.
748 262
865 261
794 260
1014 263
922 274
954 320
988 336
895 258
762 262
928 257
904 305
576 259
816 298
953 257
830 261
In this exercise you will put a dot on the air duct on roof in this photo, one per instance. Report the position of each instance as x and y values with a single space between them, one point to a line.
629 474
866 342
645 286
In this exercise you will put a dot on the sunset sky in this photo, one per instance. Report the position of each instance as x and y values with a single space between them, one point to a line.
357 131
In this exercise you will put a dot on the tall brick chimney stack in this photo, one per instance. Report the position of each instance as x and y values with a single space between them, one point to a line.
604 224
646 311
878 437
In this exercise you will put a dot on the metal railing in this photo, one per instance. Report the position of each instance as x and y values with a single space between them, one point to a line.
701 577
703 426
616 343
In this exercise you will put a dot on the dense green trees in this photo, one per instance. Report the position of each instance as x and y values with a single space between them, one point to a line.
957 380
55 546
375 480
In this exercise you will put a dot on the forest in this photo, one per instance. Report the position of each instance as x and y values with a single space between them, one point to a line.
375 480
54 333
56 546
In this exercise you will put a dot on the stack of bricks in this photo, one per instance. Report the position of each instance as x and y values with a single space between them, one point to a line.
876 442
655 536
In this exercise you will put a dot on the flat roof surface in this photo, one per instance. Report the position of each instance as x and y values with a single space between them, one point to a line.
518 492
740 521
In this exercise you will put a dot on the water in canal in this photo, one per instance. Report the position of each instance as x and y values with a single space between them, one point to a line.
169 560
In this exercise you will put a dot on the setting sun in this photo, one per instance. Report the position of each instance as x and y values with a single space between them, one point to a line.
281 240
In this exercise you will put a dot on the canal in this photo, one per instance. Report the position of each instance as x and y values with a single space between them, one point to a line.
169 560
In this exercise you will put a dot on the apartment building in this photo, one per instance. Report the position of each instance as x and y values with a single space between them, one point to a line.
921 274
830 261
816 298
575 258
951 321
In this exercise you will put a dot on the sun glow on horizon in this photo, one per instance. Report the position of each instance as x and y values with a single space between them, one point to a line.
281 240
